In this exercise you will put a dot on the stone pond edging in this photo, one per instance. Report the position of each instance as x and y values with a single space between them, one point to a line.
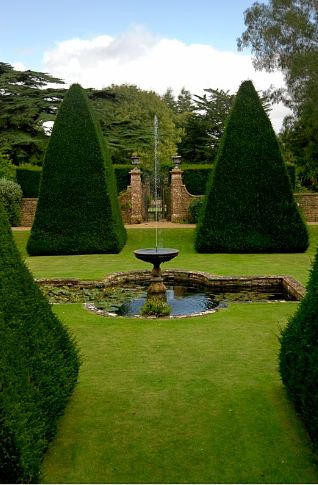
290 284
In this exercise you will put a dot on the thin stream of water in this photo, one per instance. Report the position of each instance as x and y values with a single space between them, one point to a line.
156 176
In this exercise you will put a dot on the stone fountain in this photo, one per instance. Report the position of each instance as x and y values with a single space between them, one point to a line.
156 256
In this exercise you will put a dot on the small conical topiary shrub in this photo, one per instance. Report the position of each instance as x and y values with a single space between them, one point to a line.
78 210
249 205
39 363
298 358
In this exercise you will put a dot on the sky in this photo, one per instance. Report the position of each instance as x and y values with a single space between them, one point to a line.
154 45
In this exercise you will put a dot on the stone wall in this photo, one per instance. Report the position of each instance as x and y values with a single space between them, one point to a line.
180 201
28 208
172 277
180 198
308 204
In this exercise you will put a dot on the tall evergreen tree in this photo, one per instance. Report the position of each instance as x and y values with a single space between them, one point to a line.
39 364
26 101
78 210
249 205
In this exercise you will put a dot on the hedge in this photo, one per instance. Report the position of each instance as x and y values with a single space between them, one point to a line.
249 207
78 210
122 176
196 176
298 359
28 177
39 363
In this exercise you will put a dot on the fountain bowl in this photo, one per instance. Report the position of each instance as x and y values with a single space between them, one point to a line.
156 256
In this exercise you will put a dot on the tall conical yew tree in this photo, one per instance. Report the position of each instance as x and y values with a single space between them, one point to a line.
39 363
249 205
78 210
299 356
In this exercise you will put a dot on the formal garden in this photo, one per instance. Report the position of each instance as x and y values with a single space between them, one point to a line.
224 397
198 399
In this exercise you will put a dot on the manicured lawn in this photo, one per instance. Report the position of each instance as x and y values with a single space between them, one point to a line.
98 265
179 401
195 400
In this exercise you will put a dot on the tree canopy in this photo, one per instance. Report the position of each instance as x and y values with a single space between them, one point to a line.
204 126
26 101
283 34
126 114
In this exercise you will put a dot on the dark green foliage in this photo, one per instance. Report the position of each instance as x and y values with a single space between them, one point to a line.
122 176
28 177
10 197
39 364
78 210
155 307
203 126
195 177
7 169
299 356
195 209
249 205
25 103
291 171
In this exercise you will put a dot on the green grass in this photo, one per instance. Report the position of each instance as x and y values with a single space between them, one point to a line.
98 265
195 400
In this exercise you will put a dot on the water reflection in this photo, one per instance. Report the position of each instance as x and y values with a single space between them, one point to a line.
188 300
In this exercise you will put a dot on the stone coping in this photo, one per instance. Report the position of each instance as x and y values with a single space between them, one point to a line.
294 288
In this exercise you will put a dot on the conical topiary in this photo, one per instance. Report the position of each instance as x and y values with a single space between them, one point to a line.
299 356
78 210
249 204
39 364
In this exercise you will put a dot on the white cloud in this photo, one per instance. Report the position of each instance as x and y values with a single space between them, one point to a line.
19 66
153 63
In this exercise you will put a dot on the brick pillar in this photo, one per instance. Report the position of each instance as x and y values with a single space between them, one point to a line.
136 196
28 208
176 191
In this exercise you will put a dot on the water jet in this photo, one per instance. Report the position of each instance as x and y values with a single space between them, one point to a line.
156 255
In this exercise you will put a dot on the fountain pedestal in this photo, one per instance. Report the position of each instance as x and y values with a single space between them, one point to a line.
156 256
157 287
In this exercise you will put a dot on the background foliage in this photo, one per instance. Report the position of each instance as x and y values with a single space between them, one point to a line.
10 197
283 35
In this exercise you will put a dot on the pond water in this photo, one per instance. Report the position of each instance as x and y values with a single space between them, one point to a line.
183 300
188 300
